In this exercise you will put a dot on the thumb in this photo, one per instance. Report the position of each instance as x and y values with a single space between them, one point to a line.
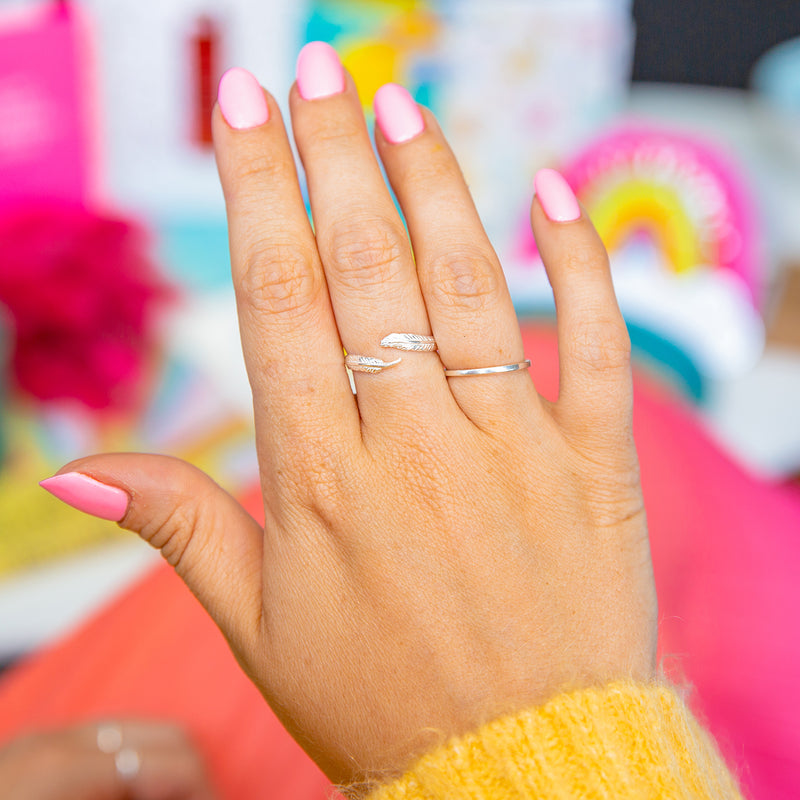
213 543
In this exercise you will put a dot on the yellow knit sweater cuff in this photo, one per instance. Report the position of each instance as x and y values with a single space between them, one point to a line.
622 741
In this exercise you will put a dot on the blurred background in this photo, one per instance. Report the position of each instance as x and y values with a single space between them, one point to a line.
678 125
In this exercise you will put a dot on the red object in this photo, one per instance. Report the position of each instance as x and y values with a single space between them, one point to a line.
205 45
726 553
82 293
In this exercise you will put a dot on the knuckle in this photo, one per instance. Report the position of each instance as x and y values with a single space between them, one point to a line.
279 279
172 534
602 345
367 254
611 505
464 280
585 257
438 170
321 485
334 133
256 166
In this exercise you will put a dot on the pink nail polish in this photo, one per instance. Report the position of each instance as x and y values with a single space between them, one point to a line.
319 71
396 113
242 100
557 198
88 495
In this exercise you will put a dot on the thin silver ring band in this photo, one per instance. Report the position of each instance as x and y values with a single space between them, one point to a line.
466 373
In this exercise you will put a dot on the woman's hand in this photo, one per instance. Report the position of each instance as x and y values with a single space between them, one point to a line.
129 760
438 550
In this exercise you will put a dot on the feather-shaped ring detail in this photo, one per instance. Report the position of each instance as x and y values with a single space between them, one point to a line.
410 342
368 364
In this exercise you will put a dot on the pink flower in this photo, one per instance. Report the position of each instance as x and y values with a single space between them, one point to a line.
82 292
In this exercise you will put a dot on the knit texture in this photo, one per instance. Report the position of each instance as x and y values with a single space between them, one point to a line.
622 741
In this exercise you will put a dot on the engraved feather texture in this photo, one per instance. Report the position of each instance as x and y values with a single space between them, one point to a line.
368 364
411 342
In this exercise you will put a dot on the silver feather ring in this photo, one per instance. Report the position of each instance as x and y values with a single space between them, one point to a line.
410 342
407 342
368 364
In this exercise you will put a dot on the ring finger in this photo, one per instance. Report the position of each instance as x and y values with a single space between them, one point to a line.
468 302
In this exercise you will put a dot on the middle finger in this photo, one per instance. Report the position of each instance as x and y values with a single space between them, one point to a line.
361 240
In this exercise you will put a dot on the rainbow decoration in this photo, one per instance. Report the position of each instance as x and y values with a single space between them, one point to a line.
681 194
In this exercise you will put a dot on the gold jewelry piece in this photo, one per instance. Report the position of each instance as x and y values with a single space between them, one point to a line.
466 373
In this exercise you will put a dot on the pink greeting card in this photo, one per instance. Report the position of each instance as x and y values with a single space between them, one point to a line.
45 148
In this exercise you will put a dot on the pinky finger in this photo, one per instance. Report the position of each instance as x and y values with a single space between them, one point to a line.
596 397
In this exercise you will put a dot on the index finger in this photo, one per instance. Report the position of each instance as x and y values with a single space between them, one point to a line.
291 345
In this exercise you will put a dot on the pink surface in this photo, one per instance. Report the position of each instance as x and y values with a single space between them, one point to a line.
556 196
727 557
727 554
319 71
88 495
397 114
45 145
242 99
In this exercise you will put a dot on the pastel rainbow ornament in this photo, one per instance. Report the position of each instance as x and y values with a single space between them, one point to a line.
682 234
679 191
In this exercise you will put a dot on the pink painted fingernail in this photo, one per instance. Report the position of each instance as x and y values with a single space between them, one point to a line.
88 495
396 113
319 71
242 100
557 198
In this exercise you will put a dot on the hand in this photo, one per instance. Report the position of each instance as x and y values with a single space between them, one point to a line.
68 764
437 551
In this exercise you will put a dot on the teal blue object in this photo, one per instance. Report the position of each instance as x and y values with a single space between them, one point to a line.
334 21
425 92
776 75
321 28
194 252
668 359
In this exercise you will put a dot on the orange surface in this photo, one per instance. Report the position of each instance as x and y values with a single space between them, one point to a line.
154 653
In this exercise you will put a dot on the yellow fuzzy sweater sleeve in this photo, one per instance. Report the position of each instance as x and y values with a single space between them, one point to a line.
622 741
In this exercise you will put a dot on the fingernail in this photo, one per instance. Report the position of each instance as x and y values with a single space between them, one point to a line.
241 100
396 113
88 495
556 196
319 71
